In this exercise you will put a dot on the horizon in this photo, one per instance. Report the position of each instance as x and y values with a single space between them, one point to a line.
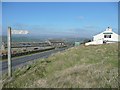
63 19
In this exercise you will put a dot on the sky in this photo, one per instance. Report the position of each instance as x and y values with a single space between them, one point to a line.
65 19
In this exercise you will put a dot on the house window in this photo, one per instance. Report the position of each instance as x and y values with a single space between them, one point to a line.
107 36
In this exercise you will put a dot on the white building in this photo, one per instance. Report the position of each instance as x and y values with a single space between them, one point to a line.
108 36
3 46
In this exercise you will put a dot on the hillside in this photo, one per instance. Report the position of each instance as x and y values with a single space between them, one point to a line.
21 39
77 67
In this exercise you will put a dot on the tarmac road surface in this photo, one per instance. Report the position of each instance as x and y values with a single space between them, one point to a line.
23 60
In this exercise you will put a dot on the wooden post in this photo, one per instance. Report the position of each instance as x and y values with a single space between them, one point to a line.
9 53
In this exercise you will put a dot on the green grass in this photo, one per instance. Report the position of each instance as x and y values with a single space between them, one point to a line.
77 67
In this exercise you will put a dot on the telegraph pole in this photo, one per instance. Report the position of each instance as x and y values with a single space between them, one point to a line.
9 53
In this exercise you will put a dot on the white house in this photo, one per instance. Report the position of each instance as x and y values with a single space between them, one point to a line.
108 36
3 46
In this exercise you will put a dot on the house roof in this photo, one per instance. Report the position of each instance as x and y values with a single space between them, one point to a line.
107 31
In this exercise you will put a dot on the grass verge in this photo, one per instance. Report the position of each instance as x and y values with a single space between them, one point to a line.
77 67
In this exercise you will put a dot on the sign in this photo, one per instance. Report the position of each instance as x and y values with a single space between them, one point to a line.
19 32
77 43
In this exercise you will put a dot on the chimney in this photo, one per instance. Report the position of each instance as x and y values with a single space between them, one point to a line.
109 29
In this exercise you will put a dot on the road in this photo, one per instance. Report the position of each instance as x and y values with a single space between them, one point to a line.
16 62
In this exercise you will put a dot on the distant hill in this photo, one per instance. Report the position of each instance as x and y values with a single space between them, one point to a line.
73 40
41 39
22 39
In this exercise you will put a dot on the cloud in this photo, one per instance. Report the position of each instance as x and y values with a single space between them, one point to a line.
90 27
20 26
80 17
51 31
86 31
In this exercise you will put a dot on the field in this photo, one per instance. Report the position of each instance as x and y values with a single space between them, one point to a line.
77 67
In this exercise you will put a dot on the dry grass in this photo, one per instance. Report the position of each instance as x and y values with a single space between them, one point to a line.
77 67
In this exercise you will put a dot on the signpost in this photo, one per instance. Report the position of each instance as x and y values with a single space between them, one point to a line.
10 32
9 53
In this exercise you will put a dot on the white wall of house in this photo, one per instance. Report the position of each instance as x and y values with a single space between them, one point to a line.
94 42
